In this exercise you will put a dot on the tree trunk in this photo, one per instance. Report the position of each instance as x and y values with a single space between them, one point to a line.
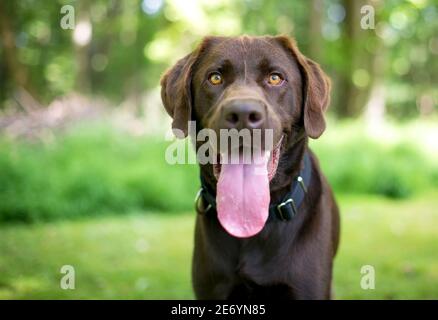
82 50
375 110
17 72
315 18
351 102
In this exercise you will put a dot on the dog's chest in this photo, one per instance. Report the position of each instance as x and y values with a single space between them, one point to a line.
261 264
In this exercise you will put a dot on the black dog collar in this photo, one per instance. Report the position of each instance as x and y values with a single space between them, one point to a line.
205 200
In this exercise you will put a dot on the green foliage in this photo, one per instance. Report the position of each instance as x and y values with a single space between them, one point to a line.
130 46
93 169
370 168
90 171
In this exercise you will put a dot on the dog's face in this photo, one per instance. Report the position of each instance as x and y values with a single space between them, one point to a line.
248 83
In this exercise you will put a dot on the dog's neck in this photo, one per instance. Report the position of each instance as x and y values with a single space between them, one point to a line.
289 166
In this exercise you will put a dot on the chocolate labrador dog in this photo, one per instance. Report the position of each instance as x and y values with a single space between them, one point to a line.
267 229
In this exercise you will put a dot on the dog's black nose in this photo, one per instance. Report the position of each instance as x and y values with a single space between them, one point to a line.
240 114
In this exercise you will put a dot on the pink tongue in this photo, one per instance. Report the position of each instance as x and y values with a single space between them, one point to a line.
243 197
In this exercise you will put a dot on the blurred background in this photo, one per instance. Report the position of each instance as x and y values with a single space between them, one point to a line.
83 180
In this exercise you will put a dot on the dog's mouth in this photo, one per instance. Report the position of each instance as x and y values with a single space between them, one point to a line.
272 164
243 194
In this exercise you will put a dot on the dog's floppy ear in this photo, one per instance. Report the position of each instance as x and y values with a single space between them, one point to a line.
316 91
176 93
176 89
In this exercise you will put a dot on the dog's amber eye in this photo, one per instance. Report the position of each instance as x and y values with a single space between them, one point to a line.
275 79
215 78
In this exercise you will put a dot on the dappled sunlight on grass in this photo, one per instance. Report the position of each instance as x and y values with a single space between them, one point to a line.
397 238
145 256
148 256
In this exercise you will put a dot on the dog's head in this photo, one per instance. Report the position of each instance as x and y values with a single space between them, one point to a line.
248 83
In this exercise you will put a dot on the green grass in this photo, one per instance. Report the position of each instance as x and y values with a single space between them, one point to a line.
148 256
108 204
137 256
399 238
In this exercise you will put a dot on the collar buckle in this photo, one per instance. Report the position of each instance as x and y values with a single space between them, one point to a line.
287 209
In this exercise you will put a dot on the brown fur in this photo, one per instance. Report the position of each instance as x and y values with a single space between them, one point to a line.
286 260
